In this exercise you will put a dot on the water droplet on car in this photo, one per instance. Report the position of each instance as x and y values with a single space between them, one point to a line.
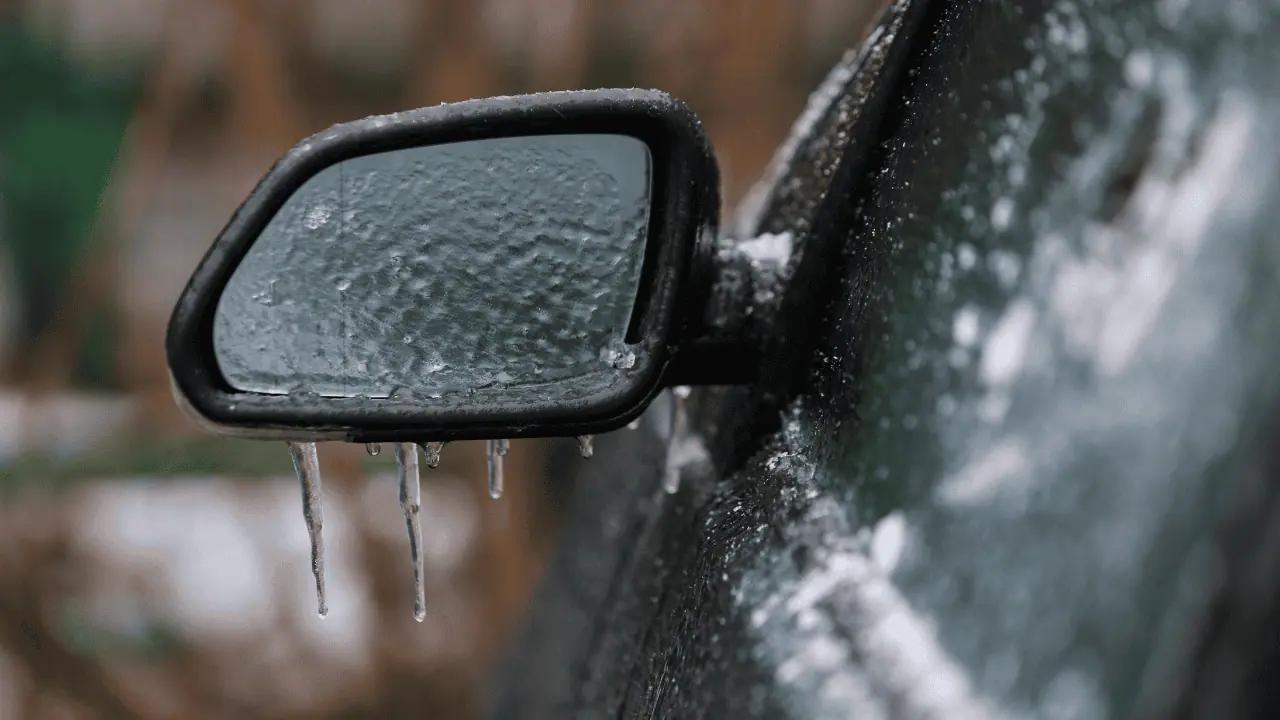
374 449
497 449
307 466
411 505
586 445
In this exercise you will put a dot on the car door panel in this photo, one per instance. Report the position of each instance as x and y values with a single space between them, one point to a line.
1015 454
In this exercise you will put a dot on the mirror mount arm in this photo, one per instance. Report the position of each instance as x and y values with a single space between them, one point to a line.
725 339
713 361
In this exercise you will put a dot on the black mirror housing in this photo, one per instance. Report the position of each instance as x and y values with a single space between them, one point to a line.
675 277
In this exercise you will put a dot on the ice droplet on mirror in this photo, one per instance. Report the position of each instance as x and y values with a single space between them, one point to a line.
497 448
374 449
586 445
411 505
431 453
307 466
671 469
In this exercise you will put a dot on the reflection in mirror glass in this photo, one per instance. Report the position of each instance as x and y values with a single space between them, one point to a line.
431 270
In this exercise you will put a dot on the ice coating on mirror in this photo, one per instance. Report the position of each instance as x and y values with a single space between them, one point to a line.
501 262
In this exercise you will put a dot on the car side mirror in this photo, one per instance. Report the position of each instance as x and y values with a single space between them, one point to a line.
499 268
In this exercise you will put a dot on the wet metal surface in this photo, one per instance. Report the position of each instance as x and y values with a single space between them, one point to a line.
1025 466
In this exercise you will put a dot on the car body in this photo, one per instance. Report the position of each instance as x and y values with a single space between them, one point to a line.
1013 451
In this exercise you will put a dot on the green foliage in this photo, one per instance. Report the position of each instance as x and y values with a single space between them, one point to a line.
136 456
59 133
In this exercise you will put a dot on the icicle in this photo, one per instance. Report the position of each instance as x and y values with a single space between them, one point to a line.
671 472
431 453
410 504
586 445
497 448
374 449
307 466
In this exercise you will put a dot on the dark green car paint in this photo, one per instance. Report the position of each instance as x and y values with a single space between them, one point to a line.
1019 450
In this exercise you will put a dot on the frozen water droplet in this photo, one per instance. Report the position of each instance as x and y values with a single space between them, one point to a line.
317 217
497 448
374 449
618 355
671 470
410 505
586 445
634 424
431 452
671 479
266 297
307 466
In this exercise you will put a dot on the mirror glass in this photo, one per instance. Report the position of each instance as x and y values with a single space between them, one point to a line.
432 270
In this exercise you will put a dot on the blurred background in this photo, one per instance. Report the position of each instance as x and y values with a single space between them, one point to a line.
148 569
